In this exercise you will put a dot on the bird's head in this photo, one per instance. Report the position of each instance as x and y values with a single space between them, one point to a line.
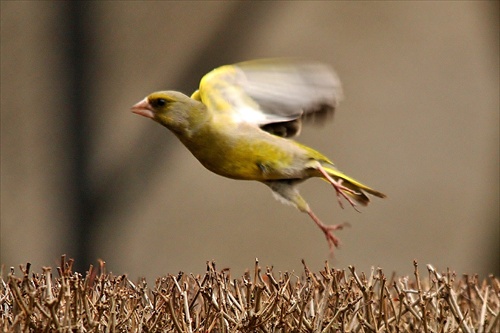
172 109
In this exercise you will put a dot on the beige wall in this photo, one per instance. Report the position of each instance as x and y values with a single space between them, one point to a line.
420 122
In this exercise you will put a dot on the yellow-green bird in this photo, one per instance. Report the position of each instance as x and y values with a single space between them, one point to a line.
239 122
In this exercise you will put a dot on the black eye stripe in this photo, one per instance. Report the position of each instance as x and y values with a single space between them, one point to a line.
158 102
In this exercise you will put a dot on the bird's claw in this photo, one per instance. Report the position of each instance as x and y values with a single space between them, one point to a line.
332 240
340 189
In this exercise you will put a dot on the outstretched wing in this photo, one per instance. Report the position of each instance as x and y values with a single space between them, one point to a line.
274 94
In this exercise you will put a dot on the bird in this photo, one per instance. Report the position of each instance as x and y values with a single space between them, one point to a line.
241 121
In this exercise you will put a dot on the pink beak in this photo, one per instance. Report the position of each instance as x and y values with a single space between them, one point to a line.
143 108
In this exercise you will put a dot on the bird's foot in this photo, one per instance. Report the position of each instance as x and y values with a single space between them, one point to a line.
340 189
332 240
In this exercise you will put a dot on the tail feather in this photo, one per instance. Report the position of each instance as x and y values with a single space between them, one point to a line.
354 185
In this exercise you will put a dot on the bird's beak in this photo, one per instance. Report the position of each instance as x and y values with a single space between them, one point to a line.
143 108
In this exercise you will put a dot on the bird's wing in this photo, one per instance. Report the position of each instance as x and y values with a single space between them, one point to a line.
274 94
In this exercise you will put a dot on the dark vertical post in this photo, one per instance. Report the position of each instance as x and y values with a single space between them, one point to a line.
77 40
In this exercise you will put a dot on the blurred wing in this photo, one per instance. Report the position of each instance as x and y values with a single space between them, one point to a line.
273 94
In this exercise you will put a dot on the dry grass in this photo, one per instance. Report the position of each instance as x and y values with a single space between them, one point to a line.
331 300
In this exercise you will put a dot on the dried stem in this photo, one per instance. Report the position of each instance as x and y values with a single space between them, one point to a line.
332 300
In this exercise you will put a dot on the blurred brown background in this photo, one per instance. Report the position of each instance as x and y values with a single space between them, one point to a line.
82 175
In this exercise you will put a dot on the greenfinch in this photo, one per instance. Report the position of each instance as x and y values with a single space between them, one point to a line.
239 122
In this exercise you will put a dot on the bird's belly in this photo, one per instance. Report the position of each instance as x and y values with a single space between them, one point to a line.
233 164
241 159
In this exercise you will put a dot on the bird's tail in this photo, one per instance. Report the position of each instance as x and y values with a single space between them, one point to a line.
354 185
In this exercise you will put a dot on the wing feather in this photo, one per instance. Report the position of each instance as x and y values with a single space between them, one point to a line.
274 94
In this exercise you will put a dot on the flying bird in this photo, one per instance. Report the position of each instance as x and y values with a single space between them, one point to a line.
240 121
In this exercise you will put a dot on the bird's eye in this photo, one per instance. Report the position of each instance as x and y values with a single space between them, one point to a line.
160 102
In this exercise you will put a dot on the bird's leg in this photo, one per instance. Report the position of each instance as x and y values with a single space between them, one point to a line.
332 240
286 191
339 188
